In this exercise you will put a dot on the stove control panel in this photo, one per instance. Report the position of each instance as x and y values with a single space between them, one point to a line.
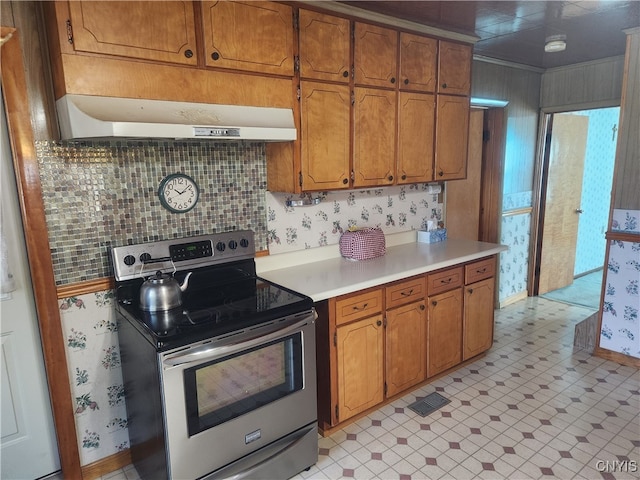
144 259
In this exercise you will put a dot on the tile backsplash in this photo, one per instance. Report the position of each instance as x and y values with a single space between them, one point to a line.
99 194
102 194
393 209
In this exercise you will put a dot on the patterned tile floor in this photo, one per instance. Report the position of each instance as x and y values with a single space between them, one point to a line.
532 408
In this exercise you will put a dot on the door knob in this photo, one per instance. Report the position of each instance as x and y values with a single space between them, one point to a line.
579 210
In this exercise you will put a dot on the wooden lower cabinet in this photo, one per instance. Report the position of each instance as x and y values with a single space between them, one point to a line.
376 343
360 366
478 318
444 331
405 347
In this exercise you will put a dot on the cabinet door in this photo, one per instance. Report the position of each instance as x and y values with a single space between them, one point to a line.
416 122
375 55
452 133
444 331
360 366
252 36
325 46
374 137
454 68
324 136
405 348
162 31
478 318
417 62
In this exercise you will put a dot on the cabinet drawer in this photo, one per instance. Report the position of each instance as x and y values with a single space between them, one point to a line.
405 292
360 305
480 270
446 280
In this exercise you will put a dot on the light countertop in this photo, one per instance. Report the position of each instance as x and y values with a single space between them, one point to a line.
332 275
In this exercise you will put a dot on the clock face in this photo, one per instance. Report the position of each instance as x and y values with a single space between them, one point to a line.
178 193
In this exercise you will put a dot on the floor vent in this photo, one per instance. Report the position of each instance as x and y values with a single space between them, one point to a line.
428 404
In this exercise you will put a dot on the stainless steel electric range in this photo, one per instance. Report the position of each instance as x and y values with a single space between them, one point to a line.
219 365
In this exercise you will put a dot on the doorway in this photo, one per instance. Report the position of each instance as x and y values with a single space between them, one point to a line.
576 181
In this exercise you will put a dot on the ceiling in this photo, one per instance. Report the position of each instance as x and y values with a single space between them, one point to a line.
515 31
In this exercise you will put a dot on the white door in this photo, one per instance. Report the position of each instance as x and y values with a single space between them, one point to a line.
28 448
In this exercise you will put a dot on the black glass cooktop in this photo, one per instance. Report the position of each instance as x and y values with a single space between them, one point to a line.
217 300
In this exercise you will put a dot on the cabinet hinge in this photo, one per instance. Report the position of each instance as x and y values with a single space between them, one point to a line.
299 93
353 175
353 98
69 32
335 339
296 68
337 413
300 178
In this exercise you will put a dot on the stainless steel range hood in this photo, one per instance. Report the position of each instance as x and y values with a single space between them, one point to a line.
94 117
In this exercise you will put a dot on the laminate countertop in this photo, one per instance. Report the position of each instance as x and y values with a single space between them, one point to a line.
331 276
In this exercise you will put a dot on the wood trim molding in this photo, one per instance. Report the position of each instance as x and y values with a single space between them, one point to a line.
82 288
622 236
106 465
25 162
517 211
617 357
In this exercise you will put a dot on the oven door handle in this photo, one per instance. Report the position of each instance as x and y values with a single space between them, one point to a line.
211 352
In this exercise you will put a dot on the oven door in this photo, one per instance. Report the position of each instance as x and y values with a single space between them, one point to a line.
226 398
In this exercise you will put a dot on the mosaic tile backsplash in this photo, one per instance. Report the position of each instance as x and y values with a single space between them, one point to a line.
102 194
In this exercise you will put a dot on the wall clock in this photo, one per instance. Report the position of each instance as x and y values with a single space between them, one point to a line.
178 193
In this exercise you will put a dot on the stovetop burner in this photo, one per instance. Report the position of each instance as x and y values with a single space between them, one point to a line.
220 298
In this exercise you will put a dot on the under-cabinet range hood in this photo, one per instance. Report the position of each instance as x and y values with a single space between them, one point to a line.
95 117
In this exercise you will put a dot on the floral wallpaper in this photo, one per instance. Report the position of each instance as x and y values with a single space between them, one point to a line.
393 209
93 359
514 263
620 325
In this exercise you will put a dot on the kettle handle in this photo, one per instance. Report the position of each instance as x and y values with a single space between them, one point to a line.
146 261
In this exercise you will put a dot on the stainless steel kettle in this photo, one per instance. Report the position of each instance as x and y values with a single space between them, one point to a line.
161 292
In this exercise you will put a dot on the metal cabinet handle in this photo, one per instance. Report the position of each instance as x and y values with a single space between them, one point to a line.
434 303
406 81
215 55
188 53
407 294
422 307
356 307
393 79
481 270
470 290
379 322
447 281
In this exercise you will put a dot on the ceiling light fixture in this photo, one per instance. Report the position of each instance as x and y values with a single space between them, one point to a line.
555 43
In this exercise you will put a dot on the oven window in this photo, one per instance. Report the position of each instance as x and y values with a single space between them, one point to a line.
223 389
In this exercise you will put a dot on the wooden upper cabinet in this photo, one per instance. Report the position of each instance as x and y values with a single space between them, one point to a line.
416 123
454 68
250 36
374 137
375 56
162 31
324 135
452 133
325 46
418 64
